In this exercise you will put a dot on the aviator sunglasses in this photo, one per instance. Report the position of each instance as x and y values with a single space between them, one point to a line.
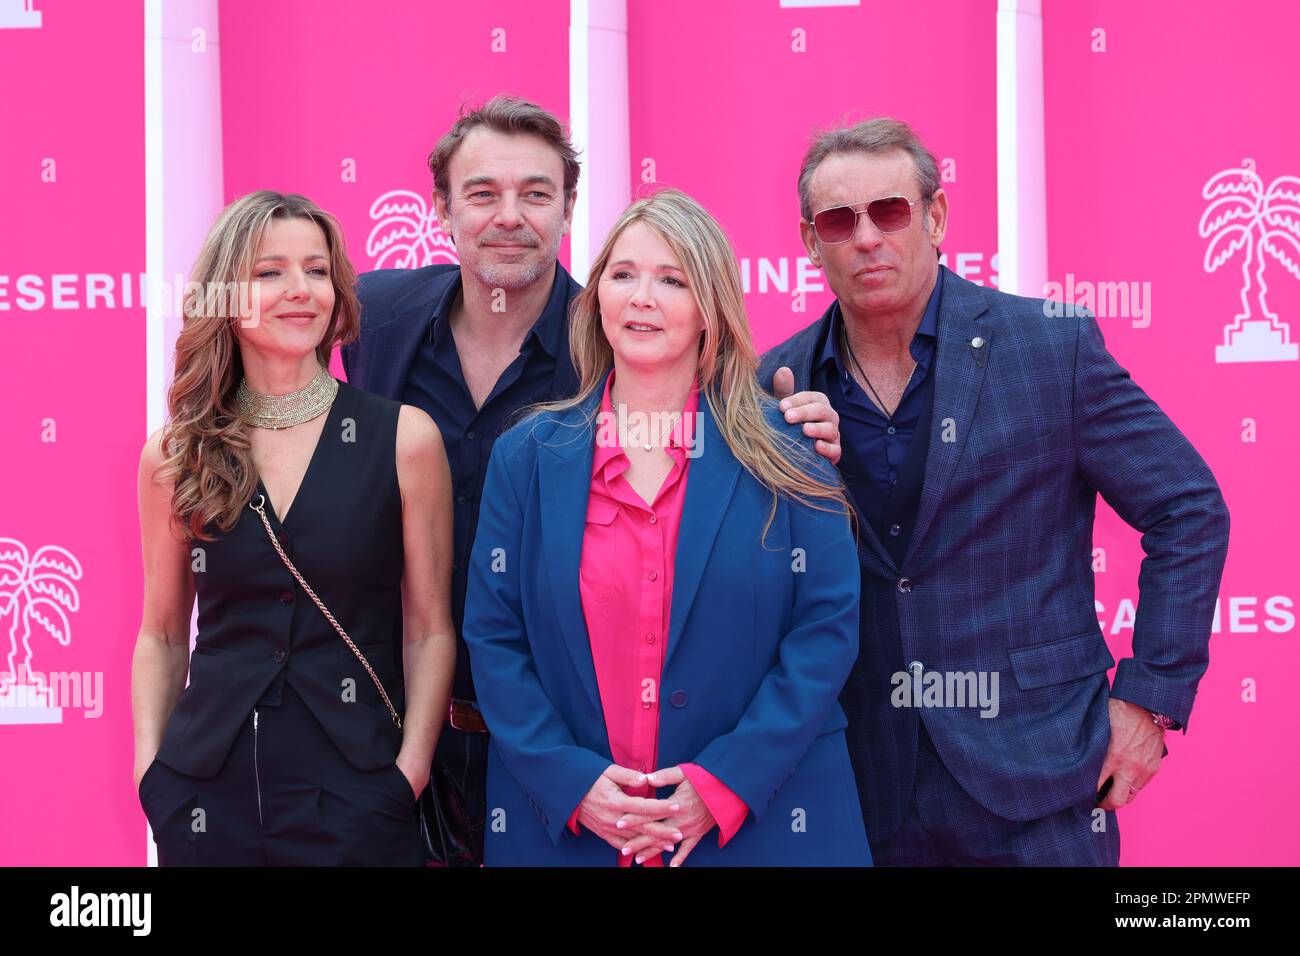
838 223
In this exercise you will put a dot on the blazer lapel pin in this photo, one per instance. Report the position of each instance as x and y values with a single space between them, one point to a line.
979 350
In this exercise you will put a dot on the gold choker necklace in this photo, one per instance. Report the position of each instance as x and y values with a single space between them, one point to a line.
284 411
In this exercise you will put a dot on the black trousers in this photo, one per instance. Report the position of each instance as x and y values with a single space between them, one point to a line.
285 796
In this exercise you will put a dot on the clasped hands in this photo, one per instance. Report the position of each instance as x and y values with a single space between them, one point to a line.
643 826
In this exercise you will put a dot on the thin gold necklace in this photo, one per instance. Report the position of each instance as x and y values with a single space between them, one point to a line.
649 445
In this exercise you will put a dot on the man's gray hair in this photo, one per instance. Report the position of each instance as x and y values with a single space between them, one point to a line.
878 135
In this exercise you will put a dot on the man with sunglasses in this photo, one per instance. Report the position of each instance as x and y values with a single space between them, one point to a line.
976 433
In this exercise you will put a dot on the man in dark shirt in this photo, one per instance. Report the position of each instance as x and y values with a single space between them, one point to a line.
474 345
978 431
879 443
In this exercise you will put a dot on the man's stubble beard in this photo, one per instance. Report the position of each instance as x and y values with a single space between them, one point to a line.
512 277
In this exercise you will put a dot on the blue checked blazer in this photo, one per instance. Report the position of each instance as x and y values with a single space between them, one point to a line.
1027 430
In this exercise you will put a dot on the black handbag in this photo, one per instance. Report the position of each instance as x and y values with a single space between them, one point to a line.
445 823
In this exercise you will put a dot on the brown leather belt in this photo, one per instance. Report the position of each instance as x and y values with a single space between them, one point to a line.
465 716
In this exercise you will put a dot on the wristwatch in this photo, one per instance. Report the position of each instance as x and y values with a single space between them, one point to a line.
1163 722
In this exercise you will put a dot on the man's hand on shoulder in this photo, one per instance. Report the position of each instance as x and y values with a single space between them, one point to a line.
814 409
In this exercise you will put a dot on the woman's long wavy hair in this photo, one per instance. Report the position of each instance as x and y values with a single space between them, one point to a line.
205 445
728 364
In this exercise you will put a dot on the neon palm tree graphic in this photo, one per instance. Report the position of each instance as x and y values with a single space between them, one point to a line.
407 234
1265 223
38 590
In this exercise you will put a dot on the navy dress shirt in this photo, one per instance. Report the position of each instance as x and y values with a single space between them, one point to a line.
882 467
437 385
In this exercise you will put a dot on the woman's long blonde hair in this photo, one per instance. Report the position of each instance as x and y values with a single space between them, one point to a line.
205 446
728 363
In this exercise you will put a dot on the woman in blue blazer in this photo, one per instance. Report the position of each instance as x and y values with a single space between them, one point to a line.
761 615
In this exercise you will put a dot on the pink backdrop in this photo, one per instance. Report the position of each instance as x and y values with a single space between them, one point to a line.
723 105
342 102
76 360
1133 135
345 108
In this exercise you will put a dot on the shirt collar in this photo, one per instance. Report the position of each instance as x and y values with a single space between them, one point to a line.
930 320
929 327
547 331
608 446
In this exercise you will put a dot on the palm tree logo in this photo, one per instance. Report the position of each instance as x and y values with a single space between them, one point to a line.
406 234
36 594
1243 215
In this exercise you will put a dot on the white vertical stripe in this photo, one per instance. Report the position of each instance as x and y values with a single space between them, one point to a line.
183 176
1022 201
580 251
598 121
1008 157
154 238
153 245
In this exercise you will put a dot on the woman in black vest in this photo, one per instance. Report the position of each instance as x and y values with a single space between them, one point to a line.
285 747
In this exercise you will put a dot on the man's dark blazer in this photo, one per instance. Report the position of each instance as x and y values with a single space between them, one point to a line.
397 305
1027 429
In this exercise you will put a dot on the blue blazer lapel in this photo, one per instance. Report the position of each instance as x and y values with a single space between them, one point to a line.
958 381
564 485
710 483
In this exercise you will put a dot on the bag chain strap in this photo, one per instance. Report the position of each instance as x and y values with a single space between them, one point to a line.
258 505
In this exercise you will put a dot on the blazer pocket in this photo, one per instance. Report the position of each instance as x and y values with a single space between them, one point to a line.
1027 449
1072 658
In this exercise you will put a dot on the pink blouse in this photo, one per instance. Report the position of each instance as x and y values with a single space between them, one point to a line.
626 583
